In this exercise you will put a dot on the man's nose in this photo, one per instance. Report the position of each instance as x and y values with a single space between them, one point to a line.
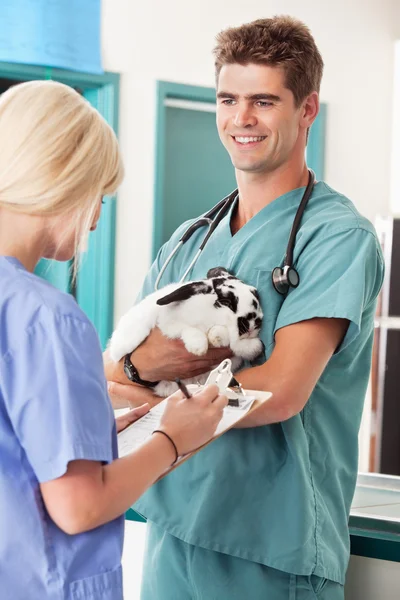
245 117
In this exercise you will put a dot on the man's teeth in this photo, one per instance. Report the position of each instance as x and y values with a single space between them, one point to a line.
247 140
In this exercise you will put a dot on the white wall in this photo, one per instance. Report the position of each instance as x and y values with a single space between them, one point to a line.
146 41
370 579
395 141
132 558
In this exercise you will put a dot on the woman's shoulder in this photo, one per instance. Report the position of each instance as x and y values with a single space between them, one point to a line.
28 302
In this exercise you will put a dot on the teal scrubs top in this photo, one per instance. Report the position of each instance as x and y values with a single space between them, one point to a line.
280 494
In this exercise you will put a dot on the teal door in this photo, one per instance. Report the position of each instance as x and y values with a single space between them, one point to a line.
193 169
198 170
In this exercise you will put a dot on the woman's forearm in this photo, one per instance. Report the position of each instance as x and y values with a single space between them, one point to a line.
91 494
127 478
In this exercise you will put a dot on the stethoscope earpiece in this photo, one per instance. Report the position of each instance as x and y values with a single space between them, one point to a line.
284 278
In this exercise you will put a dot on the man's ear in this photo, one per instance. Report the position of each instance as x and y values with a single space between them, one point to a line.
185 292
309 110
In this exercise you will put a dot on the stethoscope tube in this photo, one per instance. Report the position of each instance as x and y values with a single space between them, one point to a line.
286 277
298 217
212 219
283 278
165 265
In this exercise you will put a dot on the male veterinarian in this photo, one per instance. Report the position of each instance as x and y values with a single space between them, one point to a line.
262 513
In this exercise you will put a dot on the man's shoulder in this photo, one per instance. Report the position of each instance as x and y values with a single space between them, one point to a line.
332 212
182 228
175 238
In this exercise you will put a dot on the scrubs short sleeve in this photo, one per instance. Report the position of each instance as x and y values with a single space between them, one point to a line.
57 395
340 275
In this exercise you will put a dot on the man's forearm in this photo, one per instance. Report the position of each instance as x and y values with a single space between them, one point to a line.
300 355
274 410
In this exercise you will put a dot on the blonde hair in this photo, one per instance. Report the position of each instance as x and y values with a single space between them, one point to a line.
57 155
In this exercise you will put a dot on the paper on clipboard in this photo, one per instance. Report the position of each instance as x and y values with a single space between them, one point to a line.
133 436
136 434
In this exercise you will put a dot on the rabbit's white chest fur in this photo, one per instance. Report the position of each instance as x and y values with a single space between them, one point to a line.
218 311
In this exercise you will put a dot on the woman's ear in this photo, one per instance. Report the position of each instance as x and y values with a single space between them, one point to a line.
185 292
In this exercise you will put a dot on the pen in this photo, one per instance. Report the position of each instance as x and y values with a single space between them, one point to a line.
183 388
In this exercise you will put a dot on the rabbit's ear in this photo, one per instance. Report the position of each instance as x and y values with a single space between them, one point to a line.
218 272
185 292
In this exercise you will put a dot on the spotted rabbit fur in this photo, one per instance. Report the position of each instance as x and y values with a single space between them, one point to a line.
218 311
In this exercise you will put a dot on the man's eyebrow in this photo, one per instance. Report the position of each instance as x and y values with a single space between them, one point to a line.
271 97
226 95
254 97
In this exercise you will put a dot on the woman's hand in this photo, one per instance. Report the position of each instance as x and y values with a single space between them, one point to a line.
130 417
191 422
130 395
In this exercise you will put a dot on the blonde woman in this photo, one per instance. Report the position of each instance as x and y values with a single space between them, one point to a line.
62 493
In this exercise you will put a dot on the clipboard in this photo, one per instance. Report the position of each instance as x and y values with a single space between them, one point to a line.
242 403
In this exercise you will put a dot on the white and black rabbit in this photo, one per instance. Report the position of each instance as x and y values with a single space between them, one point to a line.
218 311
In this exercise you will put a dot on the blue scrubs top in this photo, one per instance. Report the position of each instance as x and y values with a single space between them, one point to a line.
54 408
280 494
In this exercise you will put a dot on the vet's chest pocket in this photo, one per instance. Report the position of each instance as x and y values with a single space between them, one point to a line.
271 303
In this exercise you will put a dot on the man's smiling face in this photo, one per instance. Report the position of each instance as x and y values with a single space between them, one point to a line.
257 119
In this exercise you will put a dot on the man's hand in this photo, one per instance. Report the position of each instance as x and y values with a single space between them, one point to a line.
124 395
159 358
133 415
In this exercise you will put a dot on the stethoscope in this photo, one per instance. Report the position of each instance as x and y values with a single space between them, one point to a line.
283 278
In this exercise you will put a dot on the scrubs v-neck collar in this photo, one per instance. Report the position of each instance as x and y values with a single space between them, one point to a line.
267 213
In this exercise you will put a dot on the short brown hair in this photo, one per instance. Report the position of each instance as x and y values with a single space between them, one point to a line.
281 41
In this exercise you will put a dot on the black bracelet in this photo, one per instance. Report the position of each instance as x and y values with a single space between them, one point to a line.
172 442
